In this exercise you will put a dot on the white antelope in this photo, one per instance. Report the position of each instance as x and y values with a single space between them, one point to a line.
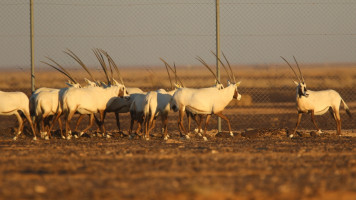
206 101
316 102
88 101
136 112
157 103
16 103
45 102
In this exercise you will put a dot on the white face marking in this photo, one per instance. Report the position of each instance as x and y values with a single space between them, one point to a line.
239 97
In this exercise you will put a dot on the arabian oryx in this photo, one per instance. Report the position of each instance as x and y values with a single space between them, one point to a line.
316 102
205 101
157 103
45 102
88 101
119 104
16 103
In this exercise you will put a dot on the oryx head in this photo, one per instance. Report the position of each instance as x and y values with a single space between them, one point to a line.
232 80
301 85
178 83
237 95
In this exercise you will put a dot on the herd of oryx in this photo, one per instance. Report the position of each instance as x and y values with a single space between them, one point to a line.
46 106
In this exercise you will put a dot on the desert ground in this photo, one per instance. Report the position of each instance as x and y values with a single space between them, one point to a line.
259 162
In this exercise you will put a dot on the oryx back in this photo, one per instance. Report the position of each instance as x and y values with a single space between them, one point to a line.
11 102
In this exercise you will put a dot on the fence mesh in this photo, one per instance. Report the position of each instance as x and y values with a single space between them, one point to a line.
254 34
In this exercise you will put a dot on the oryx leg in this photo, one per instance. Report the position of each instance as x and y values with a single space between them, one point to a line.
205 127
60 126
28 117
132 121
20 121
117 117
53 123
298 122
189 117
46 126
80 118
57 117
102 118
199 123
91 122
150 125
180 124
227 120
69 116
338 120
164 126
314 122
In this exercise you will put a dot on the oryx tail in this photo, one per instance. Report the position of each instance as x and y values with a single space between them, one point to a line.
347 109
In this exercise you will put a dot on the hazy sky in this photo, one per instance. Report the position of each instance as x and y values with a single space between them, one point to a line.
138 32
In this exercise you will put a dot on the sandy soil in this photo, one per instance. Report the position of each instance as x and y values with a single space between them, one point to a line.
255 164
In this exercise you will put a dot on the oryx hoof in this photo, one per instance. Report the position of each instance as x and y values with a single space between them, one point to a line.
319 132
108 136
165 138
15 138
81 133
34 138
76 136
63 137
205 139
69 137
291 136
196 130
231 134
46 137
199 134
187 137
147 138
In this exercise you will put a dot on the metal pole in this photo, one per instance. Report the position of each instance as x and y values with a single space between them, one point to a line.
218 49
32 48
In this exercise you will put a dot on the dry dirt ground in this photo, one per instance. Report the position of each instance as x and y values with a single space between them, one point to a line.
255 164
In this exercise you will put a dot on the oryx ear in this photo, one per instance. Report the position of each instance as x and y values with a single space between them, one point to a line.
104 84
238 83
296 83
115 82
69 83
176 85
89 82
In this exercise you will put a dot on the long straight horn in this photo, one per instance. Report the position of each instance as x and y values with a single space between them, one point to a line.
67 75
230 78
300 72
175 72
228 63
110 65
78 60
111 62
169 75
207 66
291 68
101 60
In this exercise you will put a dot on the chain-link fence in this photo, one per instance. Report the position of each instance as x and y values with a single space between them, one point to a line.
254 34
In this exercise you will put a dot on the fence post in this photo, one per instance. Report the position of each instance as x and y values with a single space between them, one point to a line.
32 48
217 35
